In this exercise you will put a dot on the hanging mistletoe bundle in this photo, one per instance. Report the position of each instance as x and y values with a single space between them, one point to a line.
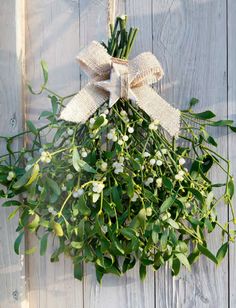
124 176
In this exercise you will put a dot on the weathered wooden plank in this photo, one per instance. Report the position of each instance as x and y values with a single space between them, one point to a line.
190 42
232 137
126 291
12 272
52 34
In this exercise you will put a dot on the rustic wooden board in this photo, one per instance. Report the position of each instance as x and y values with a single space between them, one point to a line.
189 38
52 34
12 272
231 26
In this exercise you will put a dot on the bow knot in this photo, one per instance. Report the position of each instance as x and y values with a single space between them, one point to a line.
114 78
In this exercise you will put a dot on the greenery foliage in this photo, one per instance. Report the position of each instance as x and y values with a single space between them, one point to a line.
117 190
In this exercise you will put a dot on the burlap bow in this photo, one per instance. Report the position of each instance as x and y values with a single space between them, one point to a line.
114 78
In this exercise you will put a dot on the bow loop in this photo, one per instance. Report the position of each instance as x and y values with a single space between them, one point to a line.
95 61
145 69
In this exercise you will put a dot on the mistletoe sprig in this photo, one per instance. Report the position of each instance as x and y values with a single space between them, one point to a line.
116 190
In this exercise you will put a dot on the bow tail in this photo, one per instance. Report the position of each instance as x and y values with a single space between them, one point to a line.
158 109
84 104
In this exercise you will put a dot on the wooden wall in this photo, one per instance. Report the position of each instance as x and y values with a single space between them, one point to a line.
195 42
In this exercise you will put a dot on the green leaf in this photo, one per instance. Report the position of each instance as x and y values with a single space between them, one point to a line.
205 251
172 223
164 239
99 274
57 229
116 198
99 121
54 103
78 271
32 127
142 272
45 114
203 115
175 267
209 225
34 223
85 166
142 217
167 183
43 244
18 242
129 263
212 141
184 260
194 101
82 207
222 123
9 144
13 214
76 159
119 247
206 164
23 180
77 245
193 257
45 71
128 233
149 195
130 187
32 91
167 204
196 193
34 174
155 237
11 203
53 186
230 188
222 252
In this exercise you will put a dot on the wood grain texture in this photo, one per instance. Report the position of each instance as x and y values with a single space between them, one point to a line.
52 34
231 26
12 273
189 39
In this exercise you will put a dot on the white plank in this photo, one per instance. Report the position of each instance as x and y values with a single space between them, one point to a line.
190 42
126 291
232 136
52 34
12 272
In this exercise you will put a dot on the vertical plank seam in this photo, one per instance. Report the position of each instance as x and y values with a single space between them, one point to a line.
227 141
152 27
20 39
80 80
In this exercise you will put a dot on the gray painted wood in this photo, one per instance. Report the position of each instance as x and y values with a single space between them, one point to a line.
190 40
52 34
231 26
12 272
